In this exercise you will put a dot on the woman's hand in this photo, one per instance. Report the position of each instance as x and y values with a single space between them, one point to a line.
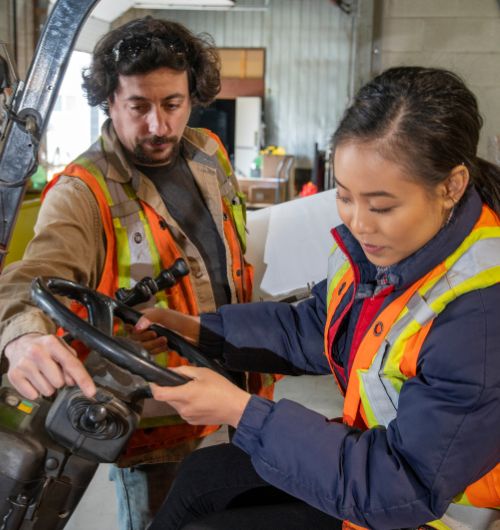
187 326
206 400
148 339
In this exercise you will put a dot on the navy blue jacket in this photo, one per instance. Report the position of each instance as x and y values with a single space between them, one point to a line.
447 431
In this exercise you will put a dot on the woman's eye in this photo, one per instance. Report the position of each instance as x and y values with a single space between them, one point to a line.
381 210
345 200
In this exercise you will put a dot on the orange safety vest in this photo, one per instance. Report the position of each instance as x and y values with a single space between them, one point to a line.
387 356
180 297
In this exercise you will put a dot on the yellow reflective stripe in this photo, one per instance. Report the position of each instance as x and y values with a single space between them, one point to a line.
267 379
161 359
482 280
224 162
335 280
391 367
122 245
369 414
161 298
123 254
461 498
97 174
439 525
238 214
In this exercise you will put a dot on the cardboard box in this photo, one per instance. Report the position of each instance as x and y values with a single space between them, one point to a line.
270 165
266 194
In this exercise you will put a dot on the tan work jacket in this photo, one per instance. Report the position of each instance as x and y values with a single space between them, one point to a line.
69 239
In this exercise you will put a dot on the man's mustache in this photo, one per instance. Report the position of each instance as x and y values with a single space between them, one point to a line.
159 140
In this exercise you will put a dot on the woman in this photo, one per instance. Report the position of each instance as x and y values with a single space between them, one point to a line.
409 318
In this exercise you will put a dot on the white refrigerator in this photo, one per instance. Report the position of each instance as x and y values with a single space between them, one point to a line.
248 134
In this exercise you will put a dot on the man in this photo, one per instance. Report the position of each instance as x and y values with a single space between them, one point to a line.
148 191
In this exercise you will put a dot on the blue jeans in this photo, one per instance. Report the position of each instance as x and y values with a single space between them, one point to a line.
140 491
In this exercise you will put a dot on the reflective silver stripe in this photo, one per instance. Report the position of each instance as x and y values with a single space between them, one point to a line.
481 256
381 394
226 187
124 209
420 310
335 261
141 261
462 517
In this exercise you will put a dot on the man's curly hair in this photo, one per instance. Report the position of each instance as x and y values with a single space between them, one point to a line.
145 44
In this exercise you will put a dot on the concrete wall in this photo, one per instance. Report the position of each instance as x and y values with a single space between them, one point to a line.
460 35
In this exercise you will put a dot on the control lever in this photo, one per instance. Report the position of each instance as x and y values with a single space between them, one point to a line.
144 289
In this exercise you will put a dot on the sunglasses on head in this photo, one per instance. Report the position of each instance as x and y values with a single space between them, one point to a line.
131 47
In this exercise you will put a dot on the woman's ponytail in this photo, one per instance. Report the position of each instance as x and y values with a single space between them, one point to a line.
487 182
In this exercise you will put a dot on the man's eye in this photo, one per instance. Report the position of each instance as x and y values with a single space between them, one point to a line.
140 109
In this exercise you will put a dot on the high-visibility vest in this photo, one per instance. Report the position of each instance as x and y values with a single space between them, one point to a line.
387 356
139 244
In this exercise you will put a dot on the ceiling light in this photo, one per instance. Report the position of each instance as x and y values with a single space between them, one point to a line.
181 4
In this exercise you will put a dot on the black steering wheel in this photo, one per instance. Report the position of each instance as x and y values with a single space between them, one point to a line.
97 332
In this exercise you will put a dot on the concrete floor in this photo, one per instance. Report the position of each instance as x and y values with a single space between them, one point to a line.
97 509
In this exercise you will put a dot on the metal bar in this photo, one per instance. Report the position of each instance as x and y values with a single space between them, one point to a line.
32 105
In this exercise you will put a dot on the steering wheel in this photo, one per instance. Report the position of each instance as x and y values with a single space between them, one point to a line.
97 332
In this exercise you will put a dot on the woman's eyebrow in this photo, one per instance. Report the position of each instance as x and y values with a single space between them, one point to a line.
380 193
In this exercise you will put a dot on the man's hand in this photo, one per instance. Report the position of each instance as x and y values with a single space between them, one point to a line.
40 364
208 399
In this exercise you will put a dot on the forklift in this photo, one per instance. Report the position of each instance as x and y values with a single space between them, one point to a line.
50 448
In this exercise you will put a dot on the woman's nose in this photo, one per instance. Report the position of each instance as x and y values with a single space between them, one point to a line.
361 221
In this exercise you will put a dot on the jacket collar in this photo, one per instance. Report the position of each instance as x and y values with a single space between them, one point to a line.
195 144
444 243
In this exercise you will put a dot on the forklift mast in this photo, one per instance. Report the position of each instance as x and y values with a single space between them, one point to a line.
28 111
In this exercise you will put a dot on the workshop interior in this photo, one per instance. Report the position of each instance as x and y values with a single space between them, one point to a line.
289 68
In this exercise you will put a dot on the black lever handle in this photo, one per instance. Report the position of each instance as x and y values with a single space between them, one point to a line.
144 289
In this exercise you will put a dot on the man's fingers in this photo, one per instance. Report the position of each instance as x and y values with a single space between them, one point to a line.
42 384
69 380
66 357
24 387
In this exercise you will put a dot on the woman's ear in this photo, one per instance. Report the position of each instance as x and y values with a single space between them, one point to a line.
455 185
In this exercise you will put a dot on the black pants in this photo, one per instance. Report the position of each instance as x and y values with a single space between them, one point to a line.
217 488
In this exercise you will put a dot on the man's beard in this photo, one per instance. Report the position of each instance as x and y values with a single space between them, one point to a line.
143 158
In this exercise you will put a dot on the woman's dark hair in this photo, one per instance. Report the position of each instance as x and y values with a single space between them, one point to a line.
426 120
146 44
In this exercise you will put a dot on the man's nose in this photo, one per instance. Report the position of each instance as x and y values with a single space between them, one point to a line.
157 122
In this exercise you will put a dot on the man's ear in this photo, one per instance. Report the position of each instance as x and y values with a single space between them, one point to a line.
455 185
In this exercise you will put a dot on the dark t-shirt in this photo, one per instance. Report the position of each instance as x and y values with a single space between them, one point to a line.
183 199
